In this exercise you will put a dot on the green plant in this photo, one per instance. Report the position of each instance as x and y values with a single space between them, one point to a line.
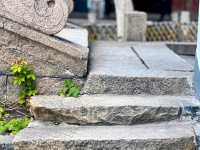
24 77
70 89
2 113
14 126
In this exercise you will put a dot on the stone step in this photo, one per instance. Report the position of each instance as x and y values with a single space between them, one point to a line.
111 109
137 69
6 142
165 136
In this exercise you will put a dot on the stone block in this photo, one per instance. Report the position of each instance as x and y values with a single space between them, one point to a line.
12 92
166 136
3 90
135 26
49 55
109 109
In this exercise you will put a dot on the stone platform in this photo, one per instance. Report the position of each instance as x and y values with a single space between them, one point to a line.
137 68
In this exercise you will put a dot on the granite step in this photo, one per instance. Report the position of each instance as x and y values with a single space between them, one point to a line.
112 109
6 142
165 136
137 69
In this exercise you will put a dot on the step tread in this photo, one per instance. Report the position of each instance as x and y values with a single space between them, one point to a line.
126 70
167 134
160 57
113 100
110 109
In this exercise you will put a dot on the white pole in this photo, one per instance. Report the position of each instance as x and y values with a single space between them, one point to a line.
197 65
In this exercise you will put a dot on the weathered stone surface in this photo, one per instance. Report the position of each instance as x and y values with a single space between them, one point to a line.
6 142
154 83
135 26
3 89
167 136
50 56
48 16
52 86
160 57
109 109
45 86
121 71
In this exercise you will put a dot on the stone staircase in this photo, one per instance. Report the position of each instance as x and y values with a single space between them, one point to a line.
136 97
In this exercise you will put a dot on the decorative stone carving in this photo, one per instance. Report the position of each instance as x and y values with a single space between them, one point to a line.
47 16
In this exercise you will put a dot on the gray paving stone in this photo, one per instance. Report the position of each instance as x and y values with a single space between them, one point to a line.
160 57
166 136
122 59
6 142
110 109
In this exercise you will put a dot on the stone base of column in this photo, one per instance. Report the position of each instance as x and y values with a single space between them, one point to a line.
135 25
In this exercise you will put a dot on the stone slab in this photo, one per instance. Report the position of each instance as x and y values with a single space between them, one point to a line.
118 70
74 34
6 142
109 109
114 58
49 55
46 16
160 57
183 48
171 136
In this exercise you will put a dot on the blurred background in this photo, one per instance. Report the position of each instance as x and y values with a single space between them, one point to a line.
168 20
158 10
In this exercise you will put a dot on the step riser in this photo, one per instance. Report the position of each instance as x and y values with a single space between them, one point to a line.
126 115
178 144
112 109
99 84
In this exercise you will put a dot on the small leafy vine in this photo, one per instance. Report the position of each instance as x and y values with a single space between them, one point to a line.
70 89
12 126
25 78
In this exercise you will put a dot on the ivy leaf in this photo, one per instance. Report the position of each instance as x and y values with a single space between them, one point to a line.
70 89
74 92
31 76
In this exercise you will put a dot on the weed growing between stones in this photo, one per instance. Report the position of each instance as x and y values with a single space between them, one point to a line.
24 77
70 89
14 126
